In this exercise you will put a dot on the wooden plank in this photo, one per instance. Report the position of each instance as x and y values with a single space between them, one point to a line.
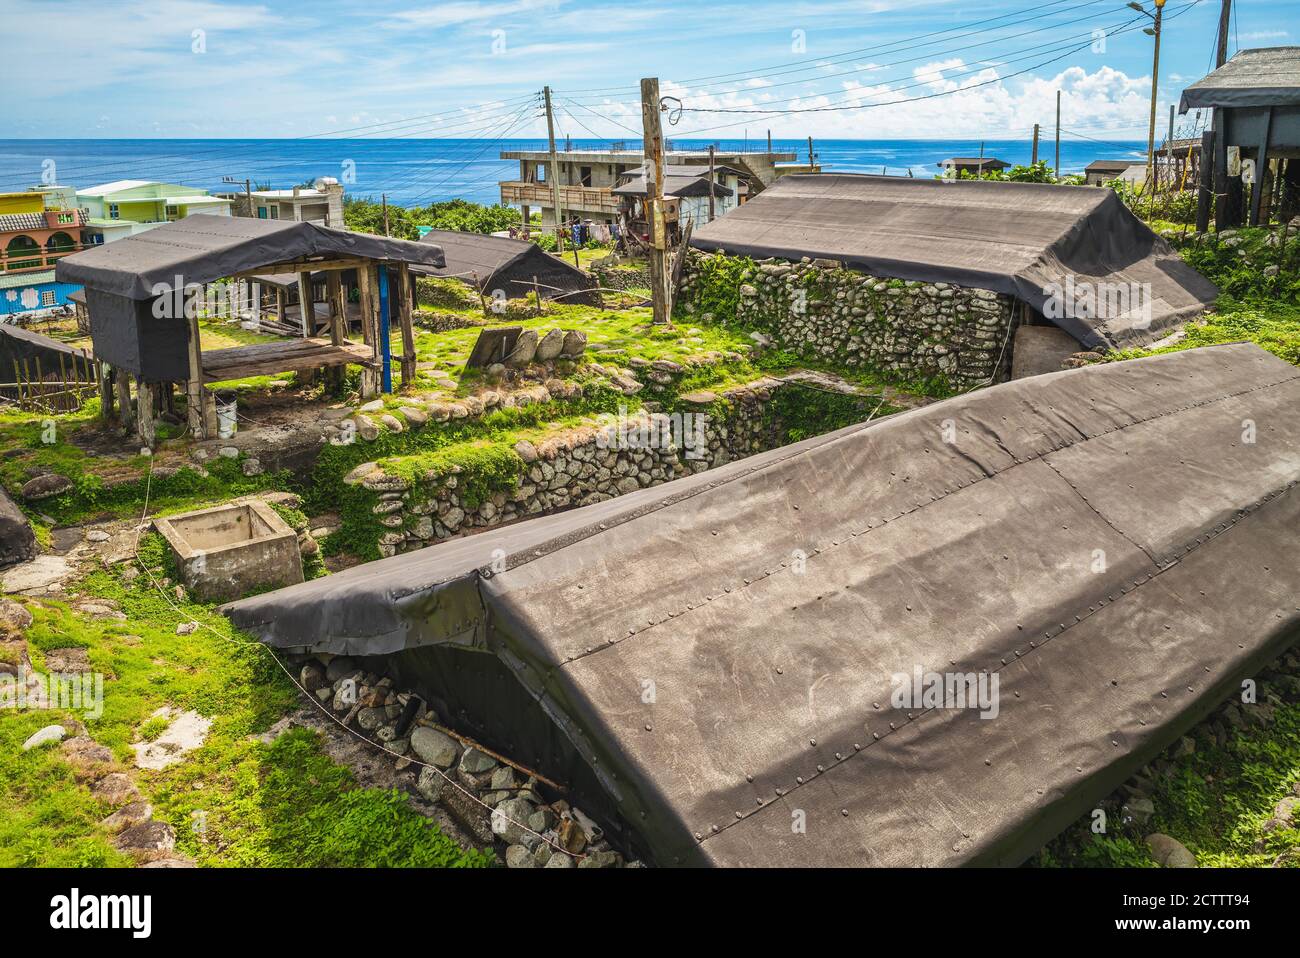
194 384
299 265
305 305
404 318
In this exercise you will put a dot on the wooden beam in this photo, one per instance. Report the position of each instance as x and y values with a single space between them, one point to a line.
308 265
305 306
371 379
404 317
105 377
1261 170
122 385
146 426
194 384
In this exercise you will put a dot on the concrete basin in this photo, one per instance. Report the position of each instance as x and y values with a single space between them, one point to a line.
229 551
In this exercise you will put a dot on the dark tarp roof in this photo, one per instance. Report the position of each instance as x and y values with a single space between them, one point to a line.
1096 165
470 255
1263 76
1014 238
21 344
979 554
675 184
981 161
202 248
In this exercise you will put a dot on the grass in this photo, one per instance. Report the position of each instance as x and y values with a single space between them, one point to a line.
1273 326
234 801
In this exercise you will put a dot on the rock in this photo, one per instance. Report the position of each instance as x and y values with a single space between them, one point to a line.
475 762
187 628
147 836
542 819
97 535
17 539
525 349
1140 810
369 719
431 783
46 736
575 341
503 778
45 573
115 788
339 668
509 820
367 429
85 754
132 814
14 619
169 863
185 732
1169 852
375 405
360 472
526 451
571 836
517 856
43 487
252 467
416 417
391 422
602 859
434 747
559 860
228 452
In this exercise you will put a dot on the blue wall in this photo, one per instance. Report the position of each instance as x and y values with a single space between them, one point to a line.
9 306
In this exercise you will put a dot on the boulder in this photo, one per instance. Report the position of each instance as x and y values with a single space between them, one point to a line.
517 856
434 747
43 487
147 836
525 349
1169 852
46 736
509 822
115 788
550 346
17 540
575 341
14 619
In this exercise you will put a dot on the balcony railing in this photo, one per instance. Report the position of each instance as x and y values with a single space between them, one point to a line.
33 261
600 198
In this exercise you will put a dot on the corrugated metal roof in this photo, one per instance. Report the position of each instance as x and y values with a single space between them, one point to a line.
23 280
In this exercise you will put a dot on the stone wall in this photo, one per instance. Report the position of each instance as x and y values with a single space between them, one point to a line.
622 278
576 468
910 331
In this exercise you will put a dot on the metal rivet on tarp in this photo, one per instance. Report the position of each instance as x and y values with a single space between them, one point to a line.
844 812
799 779
812 741
649 728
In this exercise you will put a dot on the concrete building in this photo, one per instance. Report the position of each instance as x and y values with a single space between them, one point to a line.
1101 172
37 228
126 207
588 177
321 203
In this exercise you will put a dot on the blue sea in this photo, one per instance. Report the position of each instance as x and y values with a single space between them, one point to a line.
415 172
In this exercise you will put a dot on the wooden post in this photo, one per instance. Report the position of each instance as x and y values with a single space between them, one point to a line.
368 279
553 170
1205 195
652 137
122 385
404 318
104 375
279 305
1057 174
713 174
1035 155
1261 170
305 311
145 424
338 321
194 390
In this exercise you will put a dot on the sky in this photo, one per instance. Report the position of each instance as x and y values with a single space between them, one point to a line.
859 69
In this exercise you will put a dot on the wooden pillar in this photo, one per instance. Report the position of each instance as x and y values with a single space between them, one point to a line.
338 321
1205 196
404 317
305 311
368 280
1261 170
201 407
279 305
146 425
122 385
104 375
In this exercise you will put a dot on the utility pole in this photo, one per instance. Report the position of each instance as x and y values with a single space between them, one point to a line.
248 190
810 155
1169 147
1153 30
1058 134
711 182
653 146
553 171
1225 17
383 199
1035 159
769 141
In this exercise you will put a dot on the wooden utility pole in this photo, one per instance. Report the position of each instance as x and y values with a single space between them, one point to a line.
1155 87
1225 17
711 182
1035 159
1058 134
810 155
653 147
1169 148
553 170
769 141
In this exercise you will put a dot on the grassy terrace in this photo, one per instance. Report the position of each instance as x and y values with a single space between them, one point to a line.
239 800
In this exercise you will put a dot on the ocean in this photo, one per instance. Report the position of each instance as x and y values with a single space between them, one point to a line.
414 172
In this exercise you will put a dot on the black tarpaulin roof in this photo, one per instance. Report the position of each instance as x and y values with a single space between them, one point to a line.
202 248
1014 238
1263 76
477 258
1101 539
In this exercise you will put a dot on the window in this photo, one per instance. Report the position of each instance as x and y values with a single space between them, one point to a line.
65 218
47 297
113 211
541 173
261 212
171 212
275 212
584 175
